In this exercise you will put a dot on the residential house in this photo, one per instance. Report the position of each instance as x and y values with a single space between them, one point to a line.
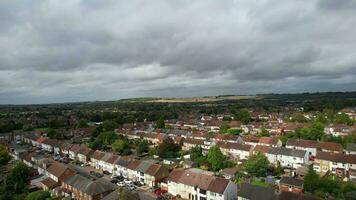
73 151
294 196
196 184
270 141
339 164
291 158
84 154
121 166
290 184
312 146
235 150
338 130
147 172
82 188
95 158
57 173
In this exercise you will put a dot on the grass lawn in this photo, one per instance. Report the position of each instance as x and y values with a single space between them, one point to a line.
42 129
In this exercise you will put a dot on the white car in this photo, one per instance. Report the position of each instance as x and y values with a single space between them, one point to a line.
120 184
127 181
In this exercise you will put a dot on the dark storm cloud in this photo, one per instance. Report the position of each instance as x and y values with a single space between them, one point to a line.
90 50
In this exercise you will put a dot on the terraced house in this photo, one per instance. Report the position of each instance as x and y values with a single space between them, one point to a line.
196 184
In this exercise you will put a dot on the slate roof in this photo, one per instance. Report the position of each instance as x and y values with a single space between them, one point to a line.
287 152
351 147
292 181
124 161
253 192
88 186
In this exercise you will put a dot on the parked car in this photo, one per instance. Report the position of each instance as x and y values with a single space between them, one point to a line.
98 175
137 183
92 173
115 181
120 184
106 172
127 181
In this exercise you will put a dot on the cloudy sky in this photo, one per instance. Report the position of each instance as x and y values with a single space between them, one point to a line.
79 50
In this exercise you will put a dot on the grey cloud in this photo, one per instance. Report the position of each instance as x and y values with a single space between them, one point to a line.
90 50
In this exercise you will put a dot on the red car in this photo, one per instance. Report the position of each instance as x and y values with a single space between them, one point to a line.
159 192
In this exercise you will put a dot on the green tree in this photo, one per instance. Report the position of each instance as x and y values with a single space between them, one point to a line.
234 131
160 123
264 133
243 115
142 146
4 155
256 165
82 123
120 146
311 180
168 149
342 118
39 195
224 127
216 158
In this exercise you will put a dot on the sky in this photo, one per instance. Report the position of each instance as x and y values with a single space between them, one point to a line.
86 50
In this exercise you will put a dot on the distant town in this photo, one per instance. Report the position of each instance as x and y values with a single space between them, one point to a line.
260 147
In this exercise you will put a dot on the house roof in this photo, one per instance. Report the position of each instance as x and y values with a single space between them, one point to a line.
88 186
199 178
133 164
124 161
50 183
287 152
291 181
268 140
253 192
41 139
351 147
58 169
231 145
262 148
314 144
98 155
85 151
336 157
331 146
113 159
75 148
294 196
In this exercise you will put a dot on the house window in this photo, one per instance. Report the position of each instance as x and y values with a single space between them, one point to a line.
202 191
202 198
212 194
141 173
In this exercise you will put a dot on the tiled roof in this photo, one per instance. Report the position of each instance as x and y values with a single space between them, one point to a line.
41 140
98 155
50 183
58 169
336 157
331 146
287 152
230 145
88 186
133 165
199 178
262 148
